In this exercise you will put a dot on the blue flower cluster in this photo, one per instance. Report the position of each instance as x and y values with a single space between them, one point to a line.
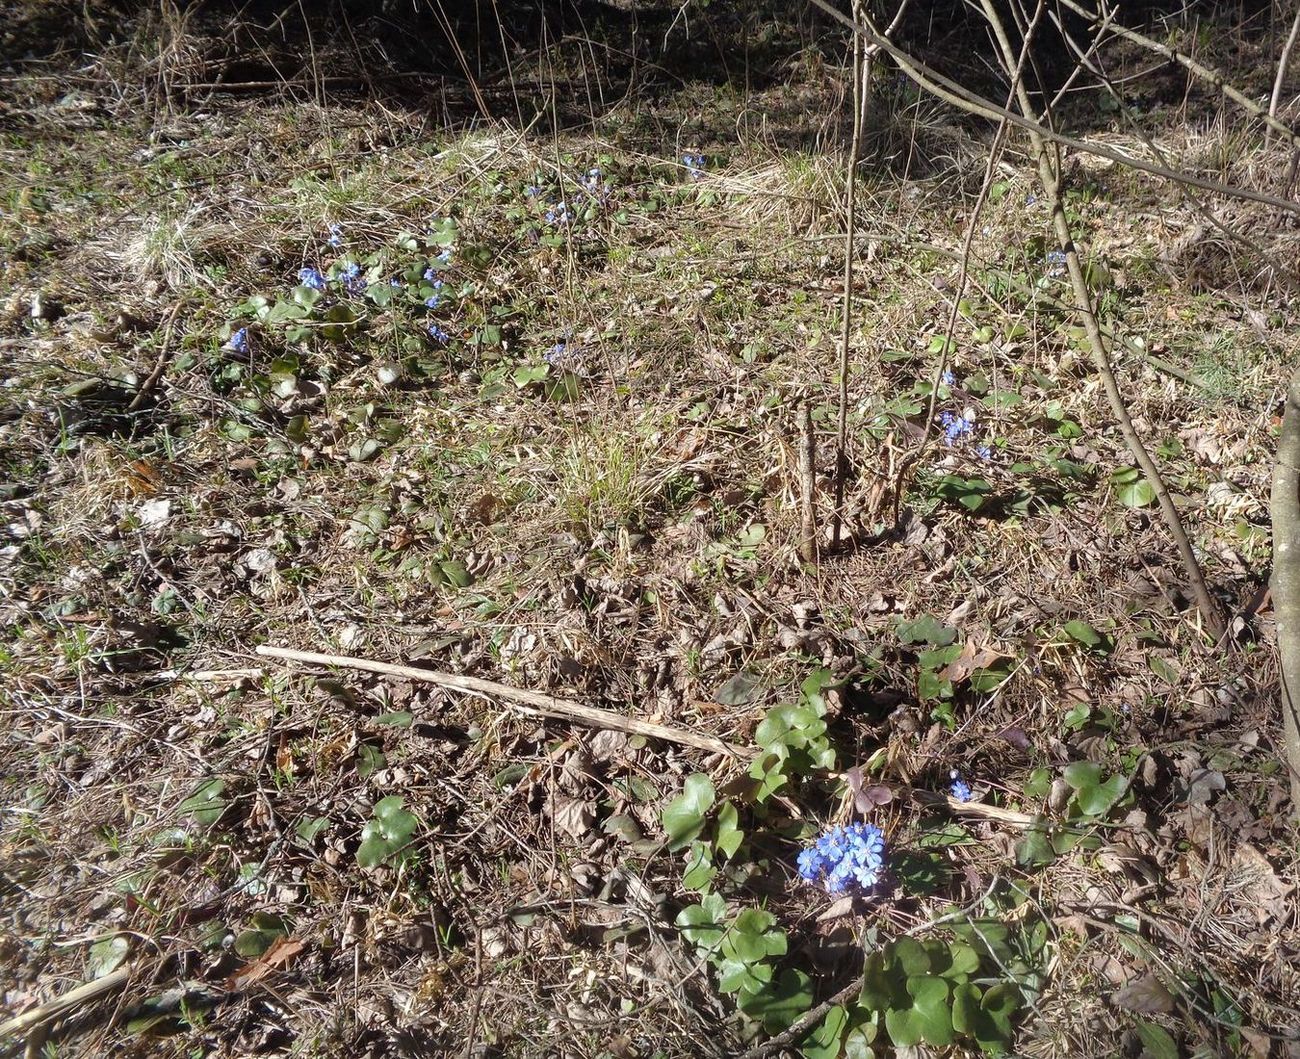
845 858
238 342
1055 261
694 164
336 235
352 278
955 427
558 215
960 789
311 277
438 334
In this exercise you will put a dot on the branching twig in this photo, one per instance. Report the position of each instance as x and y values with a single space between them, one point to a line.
972 102
1048 175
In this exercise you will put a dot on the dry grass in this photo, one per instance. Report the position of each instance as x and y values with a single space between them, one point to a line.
597 542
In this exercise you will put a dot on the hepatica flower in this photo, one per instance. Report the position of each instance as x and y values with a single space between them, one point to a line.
238 342
1055 260
438 334
694 164
948 378
336 235
352 278
558 214
954 426
845 859
310 277
959 789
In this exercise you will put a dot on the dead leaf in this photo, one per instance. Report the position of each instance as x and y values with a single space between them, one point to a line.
1202 784
1260 886
870 797
574 817
280 954
1145 996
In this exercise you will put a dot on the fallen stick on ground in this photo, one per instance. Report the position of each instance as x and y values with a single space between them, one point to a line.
529 703
73 998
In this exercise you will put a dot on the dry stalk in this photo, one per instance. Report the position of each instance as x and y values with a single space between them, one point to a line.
807 485
850 181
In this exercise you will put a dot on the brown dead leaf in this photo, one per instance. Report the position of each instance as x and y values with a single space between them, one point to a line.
1260 884
278 957
971 659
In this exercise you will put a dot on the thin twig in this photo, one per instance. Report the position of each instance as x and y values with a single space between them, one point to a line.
528 703
850 181
164 358
1282 63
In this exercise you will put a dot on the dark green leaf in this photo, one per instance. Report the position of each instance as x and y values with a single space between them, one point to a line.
684 815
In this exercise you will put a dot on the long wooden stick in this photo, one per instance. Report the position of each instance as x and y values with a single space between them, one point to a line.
528 703
1286 580
73 998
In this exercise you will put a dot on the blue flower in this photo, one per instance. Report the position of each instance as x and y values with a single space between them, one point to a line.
557 354
432 301
954 426
238 342
1055 260
310 277
843 859
444 259
532 191
336 235
352 278
1031 199
694 165
438 334
947 378
983 452
558 214
394 282
960 789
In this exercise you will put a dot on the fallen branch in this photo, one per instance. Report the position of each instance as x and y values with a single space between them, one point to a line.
528 703
74 998
1285 505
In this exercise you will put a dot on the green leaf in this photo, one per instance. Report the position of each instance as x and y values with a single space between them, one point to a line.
704 924
729 835
370 759
1097 801
929 1018
1034 850
1131 489
684 815
926 629
107 955
306 296
310 827
699 870
1084 633
207 803
1082 774
911 957
780 1003
388 832
739 690
396 719
1157 1043
824 1041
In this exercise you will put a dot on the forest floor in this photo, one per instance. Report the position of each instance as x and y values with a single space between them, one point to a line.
323 373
